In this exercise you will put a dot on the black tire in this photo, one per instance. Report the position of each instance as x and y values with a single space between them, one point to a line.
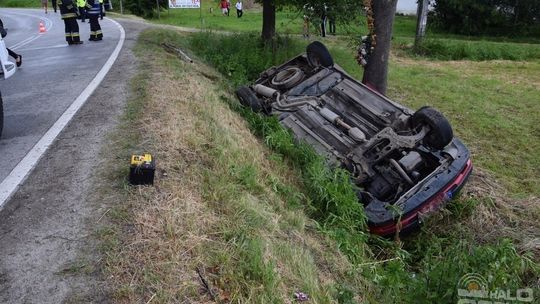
248 99
287 78
318 55
440 133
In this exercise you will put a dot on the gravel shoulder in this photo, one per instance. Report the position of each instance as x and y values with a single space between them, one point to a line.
47 248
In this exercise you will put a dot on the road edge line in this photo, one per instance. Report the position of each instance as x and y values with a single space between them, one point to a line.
20 173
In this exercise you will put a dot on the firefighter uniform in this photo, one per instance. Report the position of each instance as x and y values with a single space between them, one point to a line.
94 11
81 4
68 10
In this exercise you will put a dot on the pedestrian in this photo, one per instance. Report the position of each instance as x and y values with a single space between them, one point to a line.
239 11
53 2
323 22
17 57
308 12
68 11
81 4
44 4
101 10
331 21
223 6
228 7
93 10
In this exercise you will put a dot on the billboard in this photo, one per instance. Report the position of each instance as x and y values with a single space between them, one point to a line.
184 3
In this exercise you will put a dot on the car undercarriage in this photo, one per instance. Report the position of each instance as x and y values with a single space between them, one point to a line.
404 163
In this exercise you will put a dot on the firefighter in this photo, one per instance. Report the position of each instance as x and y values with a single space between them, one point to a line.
68 10
81 4
101 9
94 11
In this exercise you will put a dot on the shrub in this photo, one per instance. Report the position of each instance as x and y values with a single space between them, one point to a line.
448 49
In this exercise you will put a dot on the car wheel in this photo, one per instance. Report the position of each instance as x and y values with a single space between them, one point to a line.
318 55
440 133
287 78
248 99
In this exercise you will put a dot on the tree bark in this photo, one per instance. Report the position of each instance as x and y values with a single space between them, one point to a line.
376 70
421 23
269 20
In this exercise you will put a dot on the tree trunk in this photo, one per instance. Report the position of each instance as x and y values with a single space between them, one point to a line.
376 70
269 20
421 23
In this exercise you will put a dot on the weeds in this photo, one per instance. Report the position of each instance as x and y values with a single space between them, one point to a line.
452 49
431 266
236 210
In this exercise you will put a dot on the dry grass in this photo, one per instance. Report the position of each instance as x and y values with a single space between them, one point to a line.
487 213
213 207
216 209
498 216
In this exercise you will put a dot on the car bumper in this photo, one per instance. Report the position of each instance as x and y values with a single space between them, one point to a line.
413 218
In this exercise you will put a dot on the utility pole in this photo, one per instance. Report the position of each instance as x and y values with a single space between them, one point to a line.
121 7
158 8
421 13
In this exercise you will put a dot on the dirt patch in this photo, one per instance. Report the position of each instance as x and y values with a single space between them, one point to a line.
46 234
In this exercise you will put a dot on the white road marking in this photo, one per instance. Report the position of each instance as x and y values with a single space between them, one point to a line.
63 45
48 25
19 174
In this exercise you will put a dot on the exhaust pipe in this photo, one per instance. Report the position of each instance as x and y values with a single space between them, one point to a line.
265 91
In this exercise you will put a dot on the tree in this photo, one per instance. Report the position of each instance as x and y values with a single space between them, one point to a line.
145 8
488 17
421 23
343 10
376 70
269 20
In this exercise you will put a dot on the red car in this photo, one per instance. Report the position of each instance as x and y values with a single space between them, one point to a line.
405 163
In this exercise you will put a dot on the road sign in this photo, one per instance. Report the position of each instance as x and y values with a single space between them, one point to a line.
184 4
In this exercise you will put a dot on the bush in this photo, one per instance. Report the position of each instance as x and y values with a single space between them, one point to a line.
448 49
144 8
481 17
241 57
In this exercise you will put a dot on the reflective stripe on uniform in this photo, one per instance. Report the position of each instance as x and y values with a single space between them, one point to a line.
69 15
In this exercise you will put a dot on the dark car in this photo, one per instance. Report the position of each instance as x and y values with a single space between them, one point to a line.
405 163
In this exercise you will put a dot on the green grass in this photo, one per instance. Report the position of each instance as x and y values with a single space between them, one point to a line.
431 258
438 46
479 99
261 222
477 50
20 3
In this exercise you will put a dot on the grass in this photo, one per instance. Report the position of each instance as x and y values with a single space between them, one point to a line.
477 95
477 50
19 3
438 46
238 202
215 211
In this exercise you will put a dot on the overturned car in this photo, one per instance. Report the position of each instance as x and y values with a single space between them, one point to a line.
405 163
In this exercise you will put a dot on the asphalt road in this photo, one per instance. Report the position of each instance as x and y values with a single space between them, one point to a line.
50 79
